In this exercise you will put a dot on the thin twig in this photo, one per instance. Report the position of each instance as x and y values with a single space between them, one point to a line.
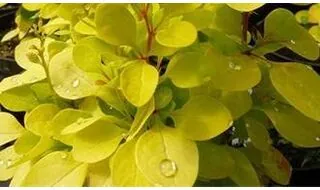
245 23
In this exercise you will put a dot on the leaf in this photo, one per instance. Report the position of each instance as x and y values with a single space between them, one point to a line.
258 134
162 97
85 26
9 35
294 126
124 170
21 52
202 118
299 86
238 102
115 24
99 174
244 174
302 16
27 77
96 142
38 119
228 70
192 64
86 58
19 99
67 172
71 82
215 162
166 158
7 157
142 115
26 142
315 32
32 6
200 18
245 7
138 82
276 166
177 35
10 128
20 174
278 22
54 25
314 13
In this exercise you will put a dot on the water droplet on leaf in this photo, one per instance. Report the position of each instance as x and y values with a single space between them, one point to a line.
250 91
247 125
64 155
168 168
317 138
292 41
235 141
75 83
9 163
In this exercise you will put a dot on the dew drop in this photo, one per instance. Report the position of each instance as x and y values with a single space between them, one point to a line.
75 83
80 121
247 125
233 128
237 68
248 140
231 65
64 155
250 91
110 108
235 141
317 138
168 168
9 163
292 41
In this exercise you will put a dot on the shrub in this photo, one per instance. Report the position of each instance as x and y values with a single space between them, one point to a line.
155 95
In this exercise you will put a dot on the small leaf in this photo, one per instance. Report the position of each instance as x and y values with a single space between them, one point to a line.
177 35
10 128
202 118
215 162
124 170
67 172
244 173
299 86
115 24
276 166
245 7
140 118
276 25
38 119
138 82
11 34
7 157
71 82
166 158
21 52
96 142
293 125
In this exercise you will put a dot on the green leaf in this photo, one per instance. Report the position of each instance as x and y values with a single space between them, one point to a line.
86 58
228 70
32 6
115 24
99 174
96 142
7 157
192 64
177 35
302 16
19 99
238 102
278 22
71 82
200 18
67 172
166 158
11 34
140 118
243 174
258 134
39 118
314 13
162 97
245 7
215 161
138 82
202 118
315 32
294 126
10 128
124 170
276 166
85 26
299 86
21 52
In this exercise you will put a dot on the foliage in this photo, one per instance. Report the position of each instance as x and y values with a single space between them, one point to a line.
155 95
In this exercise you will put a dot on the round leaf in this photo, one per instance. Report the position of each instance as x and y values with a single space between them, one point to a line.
10 128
